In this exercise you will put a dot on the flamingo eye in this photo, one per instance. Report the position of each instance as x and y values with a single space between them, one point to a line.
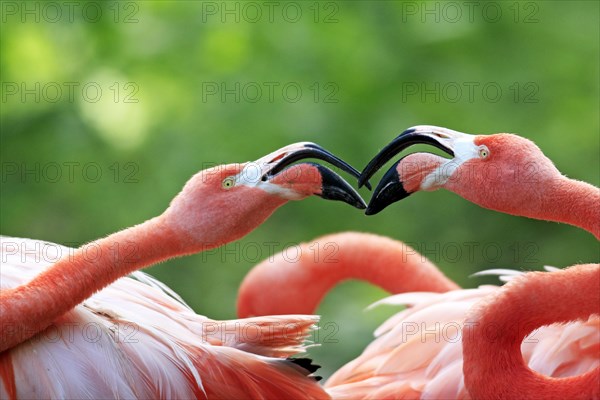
483 152
228 183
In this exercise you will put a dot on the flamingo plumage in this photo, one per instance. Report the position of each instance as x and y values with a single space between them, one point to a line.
510 174
77 327
133 339
417 353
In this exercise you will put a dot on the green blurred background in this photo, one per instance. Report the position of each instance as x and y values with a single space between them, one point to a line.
185 85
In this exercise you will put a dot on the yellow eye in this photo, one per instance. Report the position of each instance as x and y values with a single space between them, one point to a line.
484 152
228 182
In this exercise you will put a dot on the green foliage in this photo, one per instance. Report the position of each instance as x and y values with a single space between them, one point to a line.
358 67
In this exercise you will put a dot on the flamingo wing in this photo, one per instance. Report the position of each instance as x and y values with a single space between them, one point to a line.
417 352
137 339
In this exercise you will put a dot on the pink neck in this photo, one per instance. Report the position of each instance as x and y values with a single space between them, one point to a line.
572 202
281 286
493 364
28 309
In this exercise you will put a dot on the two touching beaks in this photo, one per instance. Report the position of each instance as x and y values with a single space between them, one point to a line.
391 187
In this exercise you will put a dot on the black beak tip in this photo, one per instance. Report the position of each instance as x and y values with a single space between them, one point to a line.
335 188
360 205
380 201
353 199
349 197
362 181
374 207
371 211
389 190
366 174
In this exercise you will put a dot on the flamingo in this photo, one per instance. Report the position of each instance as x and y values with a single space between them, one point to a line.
417 353
78 328
510 174
301 284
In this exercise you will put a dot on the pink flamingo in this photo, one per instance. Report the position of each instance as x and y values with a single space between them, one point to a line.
417 353
64 337
510 174
326 261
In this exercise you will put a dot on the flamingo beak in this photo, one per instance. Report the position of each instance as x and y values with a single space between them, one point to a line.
390 188
333 187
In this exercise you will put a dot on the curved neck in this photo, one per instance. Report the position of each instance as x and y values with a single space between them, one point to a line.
572 202
494 329
29 308
284 285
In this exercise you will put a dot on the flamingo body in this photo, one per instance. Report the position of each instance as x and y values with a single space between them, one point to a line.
417 352
133 339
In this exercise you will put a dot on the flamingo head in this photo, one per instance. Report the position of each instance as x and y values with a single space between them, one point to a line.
226 202
503 172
